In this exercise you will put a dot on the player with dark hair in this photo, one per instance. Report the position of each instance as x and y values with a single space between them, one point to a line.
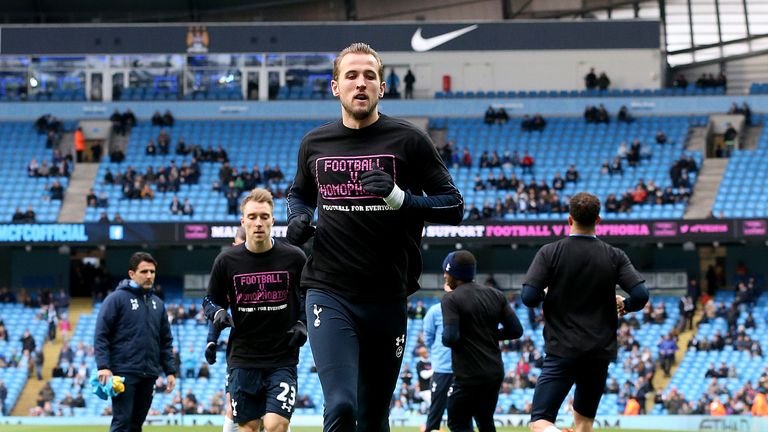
259 282
471 316
212 344
133 339
576 278
374 180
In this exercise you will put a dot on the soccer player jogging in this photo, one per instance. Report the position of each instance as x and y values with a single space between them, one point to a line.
442 378
259 282
210 351
471 317
374 181
576 278
133 340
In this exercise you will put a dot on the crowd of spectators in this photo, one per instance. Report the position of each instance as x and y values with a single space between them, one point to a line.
594 81
122 123
51 127
708 80
58 167
232 182
163 120
495 116
165 179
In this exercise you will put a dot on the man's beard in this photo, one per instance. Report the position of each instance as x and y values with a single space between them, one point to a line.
360 113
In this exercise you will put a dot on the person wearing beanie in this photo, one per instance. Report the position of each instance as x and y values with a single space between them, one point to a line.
576 278
471 316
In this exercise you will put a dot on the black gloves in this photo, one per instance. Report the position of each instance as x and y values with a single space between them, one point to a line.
298 335
222 320
299 230
210 353
377 182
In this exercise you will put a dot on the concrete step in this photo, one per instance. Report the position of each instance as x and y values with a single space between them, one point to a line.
81 181
705 191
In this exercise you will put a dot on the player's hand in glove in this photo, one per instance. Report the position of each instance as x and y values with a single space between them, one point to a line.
299 230
210 353
298 335
379 183
222 320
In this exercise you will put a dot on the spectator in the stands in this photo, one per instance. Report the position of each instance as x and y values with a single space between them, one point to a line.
43 170
603 82
729 137
572 175
633 154
667 349
91 199
466 158
490 116
558 183
526 124
473 213
602 115
104 218
181 147
538 123
118 125
187 209
590 114
501 116
661 138
493 161
157 119
484 159
175 207
117 219
611 204
680 81
33 168
18 216
590 79
56 191
527 163
150 149
168 119
624 115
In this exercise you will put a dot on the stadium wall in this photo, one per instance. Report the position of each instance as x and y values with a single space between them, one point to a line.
528 70
223 110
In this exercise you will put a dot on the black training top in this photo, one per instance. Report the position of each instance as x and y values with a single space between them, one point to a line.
262 291
580 306
364 249
478 310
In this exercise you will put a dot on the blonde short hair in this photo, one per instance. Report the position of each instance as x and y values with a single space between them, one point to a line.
259 195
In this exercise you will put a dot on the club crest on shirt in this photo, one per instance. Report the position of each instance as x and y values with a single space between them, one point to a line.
134 304
316 310
399 346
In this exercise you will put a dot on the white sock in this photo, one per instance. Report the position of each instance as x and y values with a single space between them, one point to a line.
552 428
230 425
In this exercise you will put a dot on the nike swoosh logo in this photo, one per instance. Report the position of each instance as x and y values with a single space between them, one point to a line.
421 44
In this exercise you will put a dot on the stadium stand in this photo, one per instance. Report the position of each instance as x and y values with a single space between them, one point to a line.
690 90
15 365
743 194
247 143
569 140
190 335
19 144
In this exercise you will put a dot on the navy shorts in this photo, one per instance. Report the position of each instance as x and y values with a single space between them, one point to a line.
558 375
255 392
